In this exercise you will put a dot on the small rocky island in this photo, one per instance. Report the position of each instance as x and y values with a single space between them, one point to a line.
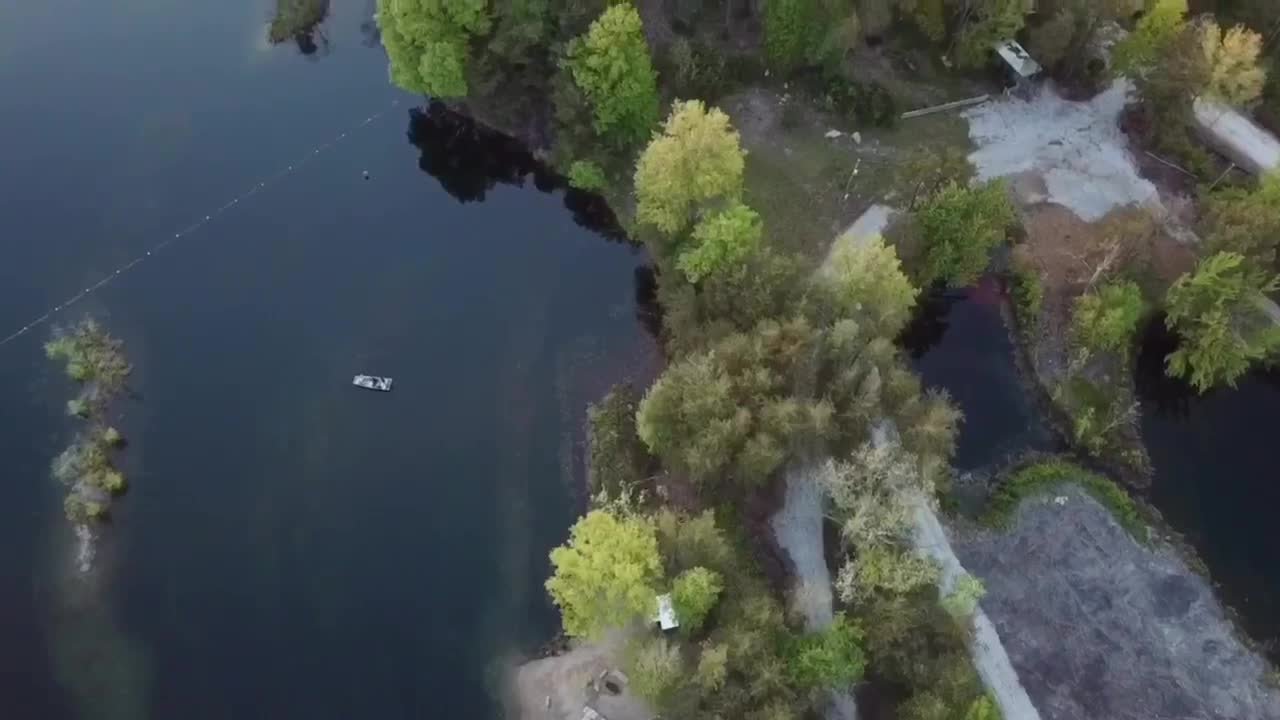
96 362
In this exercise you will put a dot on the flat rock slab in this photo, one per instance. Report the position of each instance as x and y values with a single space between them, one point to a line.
1103 628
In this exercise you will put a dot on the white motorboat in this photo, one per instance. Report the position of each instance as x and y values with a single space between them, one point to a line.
372 382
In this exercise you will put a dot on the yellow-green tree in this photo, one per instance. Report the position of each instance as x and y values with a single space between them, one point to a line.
1235 76
695 164
694 594
611 65
606 574
427 42
867 284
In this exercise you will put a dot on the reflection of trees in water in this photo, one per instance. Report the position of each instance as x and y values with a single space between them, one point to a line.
648 310
929 323
299 21
369 28
469 159
1169 396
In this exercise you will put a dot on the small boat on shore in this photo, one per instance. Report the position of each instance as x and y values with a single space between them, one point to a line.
372 382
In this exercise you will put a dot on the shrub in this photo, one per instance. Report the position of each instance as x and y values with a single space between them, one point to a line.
111 437
655 670
78 407
697 70
1106 319
1043 475
713 667
81 511
1096 413
586 175
963 599
617 459
1028 293
111 481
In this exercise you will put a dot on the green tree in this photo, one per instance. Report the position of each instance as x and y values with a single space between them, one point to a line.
960 226
721 240
695 164
832 658
868 285
606 574
1215 310
611 65
1235 77
1106 319
427 42
694 594
1246 221
1139 52
989 22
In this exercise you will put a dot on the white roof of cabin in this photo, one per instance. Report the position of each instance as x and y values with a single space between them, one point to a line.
1017 58
666 616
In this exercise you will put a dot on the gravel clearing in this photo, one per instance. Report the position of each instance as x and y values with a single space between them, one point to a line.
1077 147
1100 627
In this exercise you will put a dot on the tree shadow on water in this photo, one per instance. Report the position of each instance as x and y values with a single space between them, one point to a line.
929 323
470 159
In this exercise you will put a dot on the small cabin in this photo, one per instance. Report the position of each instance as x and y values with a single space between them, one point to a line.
1020 69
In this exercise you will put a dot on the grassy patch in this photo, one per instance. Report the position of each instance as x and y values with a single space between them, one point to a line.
1041 476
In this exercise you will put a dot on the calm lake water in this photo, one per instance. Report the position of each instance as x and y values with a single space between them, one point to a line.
291 546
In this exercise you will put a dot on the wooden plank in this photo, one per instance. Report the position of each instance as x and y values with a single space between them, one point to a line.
946 106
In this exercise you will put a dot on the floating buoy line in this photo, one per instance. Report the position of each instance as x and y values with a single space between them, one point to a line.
193 227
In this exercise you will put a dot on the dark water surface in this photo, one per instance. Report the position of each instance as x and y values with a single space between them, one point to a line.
958 341
1216 478
291 547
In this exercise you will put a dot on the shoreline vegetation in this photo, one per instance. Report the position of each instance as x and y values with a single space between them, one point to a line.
779 129
96 362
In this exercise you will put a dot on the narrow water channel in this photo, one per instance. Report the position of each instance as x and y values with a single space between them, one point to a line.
1216 478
